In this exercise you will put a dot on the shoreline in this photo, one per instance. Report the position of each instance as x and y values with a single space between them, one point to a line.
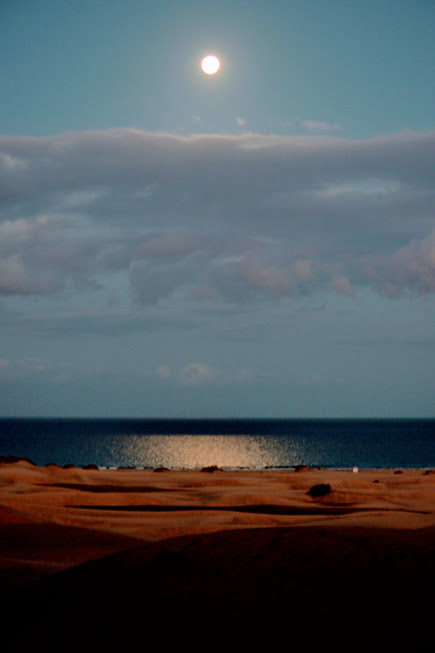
9 459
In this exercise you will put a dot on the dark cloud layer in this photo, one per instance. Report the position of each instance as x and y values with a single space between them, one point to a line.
212 218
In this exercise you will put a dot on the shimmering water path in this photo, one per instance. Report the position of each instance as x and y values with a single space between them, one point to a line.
240 443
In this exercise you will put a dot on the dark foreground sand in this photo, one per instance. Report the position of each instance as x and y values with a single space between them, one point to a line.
107 560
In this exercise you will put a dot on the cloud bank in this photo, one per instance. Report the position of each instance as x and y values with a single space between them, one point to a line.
216 219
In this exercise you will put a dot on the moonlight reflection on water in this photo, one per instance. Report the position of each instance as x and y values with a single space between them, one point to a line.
236 444
197 451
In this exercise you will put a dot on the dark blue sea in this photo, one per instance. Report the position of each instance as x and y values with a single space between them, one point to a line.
227 443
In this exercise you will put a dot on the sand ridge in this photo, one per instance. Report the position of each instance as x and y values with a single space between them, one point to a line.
228 549
149 506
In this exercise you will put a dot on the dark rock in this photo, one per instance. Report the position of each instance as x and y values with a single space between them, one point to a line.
212 468
68 466
319 490
398 471
429 471
161 469
15 459
302 468
91 466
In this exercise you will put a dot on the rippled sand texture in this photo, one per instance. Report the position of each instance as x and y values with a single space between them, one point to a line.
246 555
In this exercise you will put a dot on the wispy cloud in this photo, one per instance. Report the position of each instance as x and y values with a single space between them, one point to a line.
320 125
197 374
163 371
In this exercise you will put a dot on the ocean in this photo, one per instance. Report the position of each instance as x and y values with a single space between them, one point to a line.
226 443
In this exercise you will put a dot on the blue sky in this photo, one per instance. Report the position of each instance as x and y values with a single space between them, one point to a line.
256 243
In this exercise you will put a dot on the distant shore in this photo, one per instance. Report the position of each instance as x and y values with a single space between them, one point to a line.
256 541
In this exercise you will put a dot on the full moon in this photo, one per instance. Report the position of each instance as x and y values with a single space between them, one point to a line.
210 64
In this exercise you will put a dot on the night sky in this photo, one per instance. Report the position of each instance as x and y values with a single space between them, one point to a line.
260 242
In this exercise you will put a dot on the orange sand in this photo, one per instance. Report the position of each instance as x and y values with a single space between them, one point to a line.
253 543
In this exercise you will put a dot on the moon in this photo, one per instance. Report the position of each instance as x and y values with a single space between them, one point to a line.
210 64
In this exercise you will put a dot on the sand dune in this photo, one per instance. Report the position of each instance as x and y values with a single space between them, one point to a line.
245 555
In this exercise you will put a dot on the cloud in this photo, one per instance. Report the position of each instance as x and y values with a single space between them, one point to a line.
342 285
41 253
194 374
240 121
26 367
320 125
163 371
216 218
411 267
197 374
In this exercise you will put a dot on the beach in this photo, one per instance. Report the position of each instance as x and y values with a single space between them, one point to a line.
113 555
